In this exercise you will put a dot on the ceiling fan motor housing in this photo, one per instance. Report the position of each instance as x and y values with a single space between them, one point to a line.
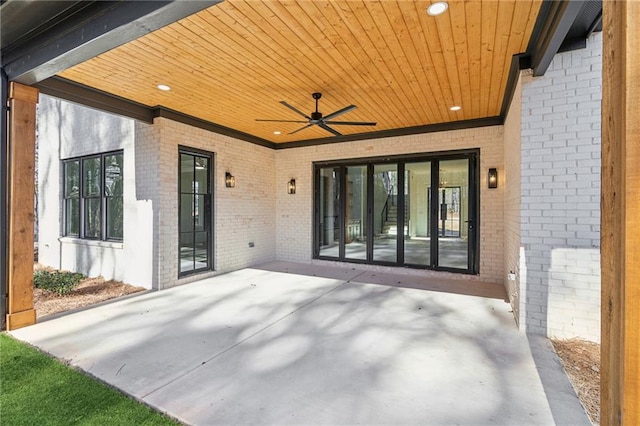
316 115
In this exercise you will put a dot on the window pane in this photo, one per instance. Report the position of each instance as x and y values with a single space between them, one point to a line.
202 175
91 177
201 252
355 241
72 217
417 186
113 174
385 212
92 217
329 238
186 173
71 179
114 218
186 213
186 252
453 203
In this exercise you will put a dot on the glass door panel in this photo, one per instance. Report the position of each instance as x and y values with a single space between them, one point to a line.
195 243
355 239
385 212
453 214
417 240
329 208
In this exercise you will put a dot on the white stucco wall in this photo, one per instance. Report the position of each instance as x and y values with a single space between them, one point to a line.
560 211
294 220
67 130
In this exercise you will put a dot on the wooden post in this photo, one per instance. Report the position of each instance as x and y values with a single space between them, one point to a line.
620 228
22 141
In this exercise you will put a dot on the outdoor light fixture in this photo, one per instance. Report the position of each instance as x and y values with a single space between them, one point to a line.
493 178
229 180
291 186
163 87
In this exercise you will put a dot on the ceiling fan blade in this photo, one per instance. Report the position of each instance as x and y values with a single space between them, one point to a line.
351 123
329 129
340 112
296 110
282 121
301 128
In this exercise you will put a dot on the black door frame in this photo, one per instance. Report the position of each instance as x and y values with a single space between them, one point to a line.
473 257
209 207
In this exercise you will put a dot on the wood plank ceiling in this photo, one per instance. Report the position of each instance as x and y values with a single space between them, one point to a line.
234 62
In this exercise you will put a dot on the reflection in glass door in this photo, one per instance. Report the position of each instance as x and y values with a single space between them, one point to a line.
453 214
385 212
417 239
329 205
195 213
355 239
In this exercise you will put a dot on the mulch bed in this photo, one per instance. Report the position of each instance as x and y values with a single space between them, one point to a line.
89 292
581 361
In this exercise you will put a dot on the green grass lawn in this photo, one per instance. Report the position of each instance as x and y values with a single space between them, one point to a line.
36 389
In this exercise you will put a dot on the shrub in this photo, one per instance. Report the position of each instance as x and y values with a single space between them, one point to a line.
60 282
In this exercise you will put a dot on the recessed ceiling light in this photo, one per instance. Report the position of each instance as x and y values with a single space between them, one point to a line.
437 8
163 87
277 132
455 108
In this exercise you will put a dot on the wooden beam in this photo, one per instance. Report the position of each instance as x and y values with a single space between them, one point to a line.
22 139
620 228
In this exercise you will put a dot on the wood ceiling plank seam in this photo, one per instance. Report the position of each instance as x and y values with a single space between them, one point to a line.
506 12
343 130
356 57
385 68
488 34
271 55
204 79
411 15
434 58
228 117
333 102
276 108
432 39
363 56
473 10
459 29
234 62
533 17
406 42
283 43
336 88
408 82
445 35
92 74
521 16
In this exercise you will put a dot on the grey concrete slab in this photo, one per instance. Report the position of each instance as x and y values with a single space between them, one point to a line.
264 347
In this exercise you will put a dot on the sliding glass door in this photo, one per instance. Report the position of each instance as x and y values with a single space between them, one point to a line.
417 211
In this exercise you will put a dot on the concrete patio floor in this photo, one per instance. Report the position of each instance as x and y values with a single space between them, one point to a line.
307 344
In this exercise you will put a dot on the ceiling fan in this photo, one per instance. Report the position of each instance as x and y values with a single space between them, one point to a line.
316 118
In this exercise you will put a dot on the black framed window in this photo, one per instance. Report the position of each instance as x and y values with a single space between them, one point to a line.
92 197
382 211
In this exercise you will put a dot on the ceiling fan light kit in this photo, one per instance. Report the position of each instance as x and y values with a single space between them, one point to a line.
317 119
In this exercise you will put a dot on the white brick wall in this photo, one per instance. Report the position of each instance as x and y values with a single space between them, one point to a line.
67 130
560 212
512 136
294 220
242 214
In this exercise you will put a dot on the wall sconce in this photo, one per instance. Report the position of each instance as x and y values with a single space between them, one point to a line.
291 186
492 179
229 180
